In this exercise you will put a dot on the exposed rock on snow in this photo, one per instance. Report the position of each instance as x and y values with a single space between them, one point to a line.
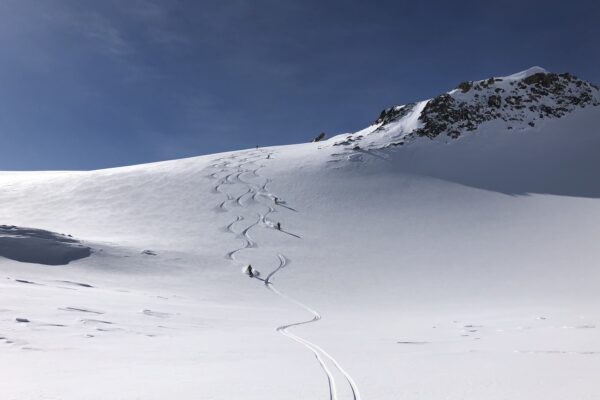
320 137
532 95
518 101
39 246
394 113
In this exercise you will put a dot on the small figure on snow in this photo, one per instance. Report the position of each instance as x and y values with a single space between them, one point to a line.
279 226
251 272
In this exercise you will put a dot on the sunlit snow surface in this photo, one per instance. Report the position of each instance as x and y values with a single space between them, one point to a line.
459 270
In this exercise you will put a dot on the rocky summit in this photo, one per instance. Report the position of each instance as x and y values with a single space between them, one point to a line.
519 100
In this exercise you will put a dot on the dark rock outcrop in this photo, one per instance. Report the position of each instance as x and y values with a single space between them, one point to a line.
520 101
394 113
320 137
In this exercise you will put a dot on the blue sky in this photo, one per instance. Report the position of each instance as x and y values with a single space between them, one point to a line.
92 84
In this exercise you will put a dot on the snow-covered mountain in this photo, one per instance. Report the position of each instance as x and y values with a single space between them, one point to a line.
520 100
448 251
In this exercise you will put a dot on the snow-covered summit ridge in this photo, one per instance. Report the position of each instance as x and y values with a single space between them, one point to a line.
518 100
526 73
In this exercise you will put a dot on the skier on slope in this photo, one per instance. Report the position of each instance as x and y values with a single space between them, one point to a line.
250 271
279 226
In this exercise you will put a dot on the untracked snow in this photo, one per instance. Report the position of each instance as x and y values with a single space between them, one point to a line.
441 268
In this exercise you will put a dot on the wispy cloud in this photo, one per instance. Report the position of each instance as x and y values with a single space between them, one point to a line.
106 34
154 17
117 29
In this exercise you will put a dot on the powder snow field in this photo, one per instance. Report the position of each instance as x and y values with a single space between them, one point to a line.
445 269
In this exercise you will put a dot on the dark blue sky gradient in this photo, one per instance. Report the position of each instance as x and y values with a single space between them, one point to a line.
93 84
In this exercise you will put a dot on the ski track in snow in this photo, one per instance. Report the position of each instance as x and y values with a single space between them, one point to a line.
232 169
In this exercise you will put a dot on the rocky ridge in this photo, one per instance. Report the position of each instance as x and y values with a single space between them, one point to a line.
518 99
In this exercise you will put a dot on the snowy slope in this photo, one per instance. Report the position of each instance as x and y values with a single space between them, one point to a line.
444 268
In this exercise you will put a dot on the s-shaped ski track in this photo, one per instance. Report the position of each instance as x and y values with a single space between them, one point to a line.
232 173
